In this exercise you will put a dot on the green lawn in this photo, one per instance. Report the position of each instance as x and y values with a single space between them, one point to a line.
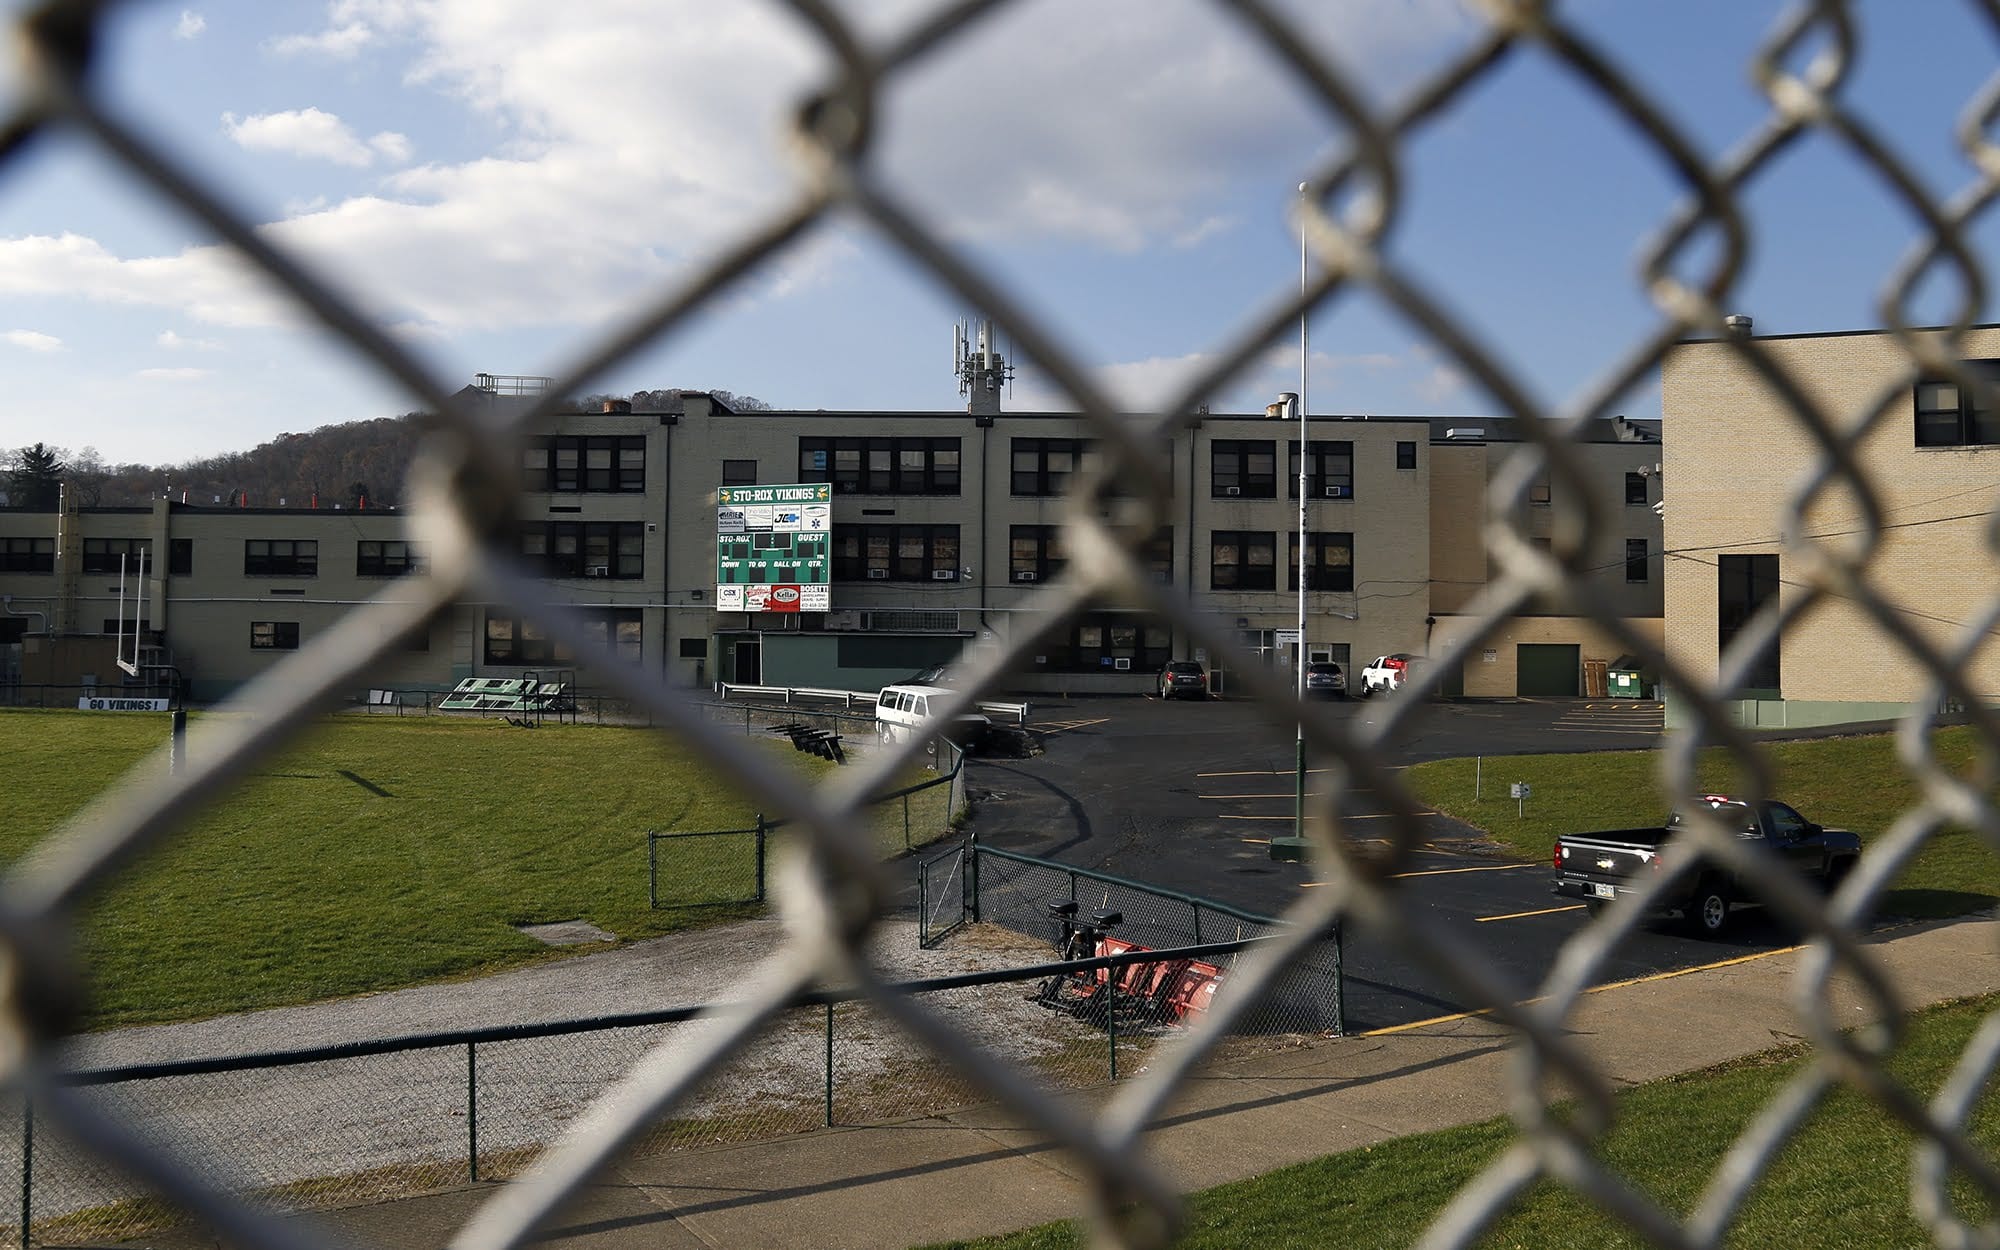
374 853
1842 1183
1850 783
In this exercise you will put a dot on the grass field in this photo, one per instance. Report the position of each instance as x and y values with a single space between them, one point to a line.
1850 783
1842 1183
374 853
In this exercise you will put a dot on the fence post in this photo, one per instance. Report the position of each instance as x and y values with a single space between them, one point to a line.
760 857
829 1065
472 1109
1111 976
1339 979
923 905
653 871
972 877
1197 922
27 1168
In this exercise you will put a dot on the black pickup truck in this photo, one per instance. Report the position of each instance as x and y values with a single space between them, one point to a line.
1598 867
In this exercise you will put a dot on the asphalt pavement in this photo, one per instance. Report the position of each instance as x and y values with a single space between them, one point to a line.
1186 795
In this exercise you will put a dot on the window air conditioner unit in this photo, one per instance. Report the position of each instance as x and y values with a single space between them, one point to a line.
944 575
1232 490
1336 492
1122 664
878 574
1024 577
598 570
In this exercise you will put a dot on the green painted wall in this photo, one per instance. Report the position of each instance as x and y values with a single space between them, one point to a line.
1789 713
852 661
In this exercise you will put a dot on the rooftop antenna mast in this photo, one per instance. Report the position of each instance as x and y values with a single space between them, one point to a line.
980 368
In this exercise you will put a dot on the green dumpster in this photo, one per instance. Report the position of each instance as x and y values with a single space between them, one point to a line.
1624 679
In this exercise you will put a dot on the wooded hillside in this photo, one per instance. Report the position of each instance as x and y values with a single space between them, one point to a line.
336 464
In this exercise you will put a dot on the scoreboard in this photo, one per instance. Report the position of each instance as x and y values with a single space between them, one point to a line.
773 548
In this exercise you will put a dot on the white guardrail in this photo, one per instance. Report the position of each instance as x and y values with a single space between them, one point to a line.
1015 712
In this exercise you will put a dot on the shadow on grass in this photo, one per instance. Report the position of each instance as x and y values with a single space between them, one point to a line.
1923 904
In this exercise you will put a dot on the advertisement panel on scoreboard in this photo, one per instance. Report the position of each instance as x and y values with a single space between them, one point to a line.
774 548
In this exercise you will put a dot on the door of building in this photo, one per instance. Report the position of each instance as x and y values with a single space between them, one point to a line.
749 662
1550 669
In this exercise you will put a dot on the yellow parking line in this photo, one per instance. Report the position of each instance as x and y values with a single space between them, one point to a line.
1520 915
1595 989
1060 726
1439 872
1311 794
1266 772
1372 816
1256 841
1600 729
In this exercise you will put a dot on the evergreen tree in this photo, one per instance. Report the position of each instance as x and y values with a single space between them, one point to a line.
37 477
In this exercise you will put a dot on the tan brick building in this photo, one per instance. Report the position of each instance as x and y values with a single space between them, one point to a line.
944 528
1736 467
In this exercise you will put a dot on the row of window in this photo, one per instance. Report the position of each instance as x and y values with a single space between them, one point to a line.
1091 643
1238 559
614 549
509 639
1043 467
518 640
598 464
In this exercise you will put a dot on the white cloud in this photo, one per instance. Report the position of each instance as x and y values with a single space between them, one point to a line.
190 24
180 343
1132 131
173 375
301 132
32 341
391 146
351 27
208 283
338 42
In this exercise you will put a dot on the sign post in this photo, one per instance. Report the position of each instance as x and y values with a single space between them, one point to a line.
1520 791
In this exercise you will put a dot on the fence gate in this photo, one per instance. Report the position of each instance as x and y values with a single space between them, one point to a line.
943 896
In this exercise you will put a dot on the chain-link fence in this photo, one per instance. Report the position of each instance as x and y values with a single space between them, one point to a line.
715 867
343 1125
1047 899
464 494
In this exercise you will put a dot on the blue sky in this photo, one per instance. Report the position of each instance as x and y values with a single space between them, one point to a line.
503 179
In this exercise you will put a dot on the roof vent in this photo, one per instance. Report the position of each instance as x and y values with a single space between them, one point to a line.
1465 433
1737 325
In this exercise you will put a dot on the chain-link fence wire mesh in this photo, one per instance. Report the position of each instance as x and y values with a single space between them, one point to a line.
717 867
1016 892
310 1131
944 894
464 492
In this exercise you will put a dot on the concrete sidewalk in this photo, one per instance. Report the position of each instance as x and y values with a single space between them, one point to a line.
977 1172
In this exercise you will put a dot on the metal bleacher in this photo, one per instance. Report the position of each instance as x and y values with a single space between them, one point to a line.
527 696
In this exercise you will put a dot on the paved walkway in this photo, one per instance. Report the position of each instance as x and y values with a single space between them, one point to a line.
977 1172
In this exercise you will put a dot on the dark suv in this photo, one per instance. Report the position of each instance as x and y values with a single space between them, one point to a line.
1183 678
1325 680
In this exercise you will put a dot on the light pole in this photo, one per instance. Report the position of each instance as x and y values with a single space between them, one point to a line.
1294 847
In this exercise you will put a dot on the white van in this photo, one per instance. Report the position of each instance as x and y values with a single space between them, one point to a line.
904 712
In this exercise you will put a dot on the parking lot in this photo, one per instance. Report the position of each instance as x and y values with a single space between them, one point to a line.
1188 795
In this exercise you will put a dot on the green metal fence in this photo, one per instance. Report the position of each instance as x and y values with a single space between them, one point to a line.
975 883
717 867
364 1122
